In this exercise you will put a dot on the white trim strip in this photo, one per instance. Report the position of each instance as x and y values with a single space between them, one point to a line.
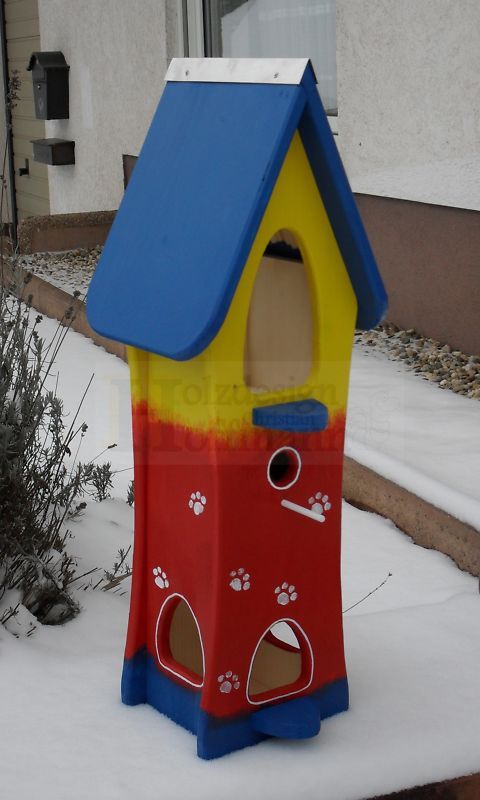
238 70
195 28
165 666
302 510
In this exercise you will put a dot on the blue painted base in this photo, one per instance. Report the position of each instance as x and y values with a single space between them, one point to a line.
143 682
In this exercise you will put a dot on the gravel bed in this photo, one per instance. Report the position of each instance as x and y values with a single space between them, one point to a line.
449 369
70 270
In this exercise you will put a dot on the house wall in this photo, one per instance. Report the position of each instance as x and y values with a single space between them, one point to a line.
118 53
429 257
22 32
407 94
408 128
6 211
408 104
409 135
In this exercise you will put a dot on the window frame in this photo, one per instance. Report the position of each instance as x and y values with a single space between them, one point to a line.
198 37
193 28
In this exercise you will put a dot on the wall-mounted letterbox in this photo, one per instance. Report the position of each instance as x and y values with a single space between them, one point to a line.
56 152
50 85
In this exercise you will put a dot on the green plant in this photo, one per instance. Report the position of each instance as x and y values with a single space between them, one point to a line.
131 493
120 570
40 482
100 479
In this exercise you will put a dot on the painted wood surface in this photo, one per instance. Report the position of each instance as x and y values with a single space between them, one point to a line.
190 214
193 207
237 498
243 521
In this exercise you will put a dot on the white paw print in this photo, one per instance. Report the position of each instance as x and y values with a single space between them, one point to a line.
197 502
320 504
160 578
240 580
285 593
228 682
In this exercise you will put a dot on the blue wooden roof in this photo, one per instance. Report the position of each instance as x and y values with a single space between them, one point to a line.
182 235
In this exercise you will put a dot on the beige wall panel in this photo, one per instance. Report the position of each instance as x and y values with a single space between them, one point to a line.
37 186
28 128
19 48
24 29
23 39
30 206
25 109
16 10
36 170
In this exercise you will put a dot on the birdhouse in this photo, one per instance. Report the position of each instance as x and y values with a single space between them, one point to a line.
236 271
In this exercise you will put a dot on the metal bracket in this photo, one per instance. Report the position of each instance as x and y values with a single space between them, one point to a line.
26 169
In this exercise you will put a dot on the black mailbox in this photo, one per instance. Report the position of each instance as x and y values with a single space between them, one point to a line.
53 151
50 85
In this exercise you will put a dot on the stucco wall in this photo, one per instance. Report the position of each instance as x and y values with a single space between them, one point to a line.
409 115
409 120
118 52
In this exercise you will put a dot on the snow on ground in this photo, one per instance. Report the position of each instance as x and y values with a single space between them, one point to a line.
424 439
413 650
106 408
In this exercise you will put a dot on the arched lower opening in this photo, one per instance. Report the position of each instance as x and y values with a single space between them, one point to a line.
178 641
282 663
279 342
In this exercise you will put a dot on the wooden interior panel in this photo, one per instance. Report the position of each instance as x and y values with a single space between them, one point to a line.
184 640
274 665
279 343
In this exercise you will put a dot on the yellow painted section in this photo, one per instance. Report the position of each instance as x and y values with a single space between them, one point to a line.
209 391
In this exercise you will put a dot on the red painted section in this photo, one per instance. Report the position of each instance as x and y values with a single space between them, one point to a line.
242 525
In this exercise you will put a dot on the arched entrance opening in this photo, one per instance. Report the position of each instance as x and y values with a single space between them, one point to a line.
282 663
178 641
279 342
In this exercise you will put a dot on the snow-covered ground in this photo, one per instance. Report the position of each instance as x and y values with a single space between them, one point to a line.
413 650
413 647
407 429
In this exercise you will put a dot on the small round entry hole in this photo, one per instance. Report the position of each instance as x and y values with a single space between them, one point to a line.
284 468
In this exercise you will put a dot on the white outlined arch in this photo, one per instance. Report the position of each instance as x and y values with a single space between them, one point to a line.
285 694
162 663
299 467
